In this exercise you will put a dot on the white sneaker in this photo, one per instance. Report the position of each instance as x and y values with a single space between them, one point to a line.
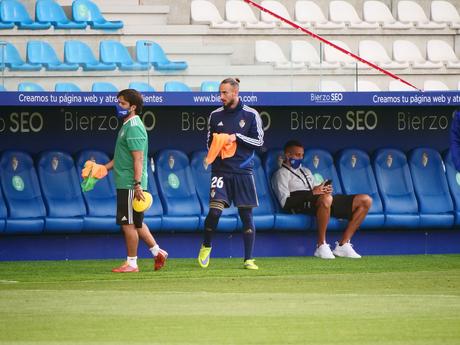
324 252
346 251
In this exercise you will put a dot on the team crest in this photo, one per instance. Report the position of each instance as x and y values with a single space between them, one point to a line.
213 193
353 161
425 159
171 162
389 161
14 163
280 161
55 163
316 161
242 123
205 165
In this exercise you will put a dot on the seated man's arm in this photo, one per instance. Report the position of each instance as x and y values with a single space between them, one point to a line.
287 199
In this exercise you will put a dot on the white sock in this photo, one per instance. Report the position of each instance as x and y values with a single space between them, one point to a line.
132 261
155 249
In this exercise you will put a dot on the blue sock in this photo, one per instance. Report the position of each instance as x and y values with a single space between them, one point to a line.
210 225
249 231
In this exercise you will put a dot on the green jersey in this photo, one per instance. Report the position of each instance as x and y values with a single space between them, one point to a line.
131 137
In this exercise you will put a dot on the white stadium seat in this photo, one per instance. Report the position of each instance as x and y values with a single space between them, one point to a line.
331 86
435 85
332 55
239 11
374 52
303 51
366 85
279 9
205 12
445 12
377 11
410 11
342 11
308 12
407 51
270 52
437 50
396 85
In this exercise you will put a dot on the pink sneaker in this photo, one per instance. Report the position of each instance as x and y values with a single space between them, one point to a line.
125 268
160 259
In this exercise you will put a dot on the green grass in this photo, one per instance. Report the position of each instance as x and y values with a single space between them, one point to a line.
376 300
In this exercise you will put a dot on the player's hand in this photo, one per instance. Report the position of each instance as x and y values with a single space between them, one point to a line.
138 194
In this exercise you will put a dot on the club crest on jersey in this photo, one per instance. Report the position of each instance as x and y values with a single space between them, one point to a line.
242 123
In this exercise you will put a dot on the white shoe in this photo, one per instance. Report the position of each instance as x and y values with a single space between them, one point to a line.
346 251
324 252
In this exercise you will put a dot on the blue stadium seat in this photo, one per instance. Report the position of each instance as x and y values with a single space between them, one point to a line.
2 88
176 86
283 220
87 11
431 189
40 52
115 52
264 214
30 87
49 11
321 164
395 185
355 171
103 87
101 202
210 86
153 217
66 87
61 192
141 87
3 212
202 177
148 52
26 210
181 206
14 61
77 52
453 180
13 11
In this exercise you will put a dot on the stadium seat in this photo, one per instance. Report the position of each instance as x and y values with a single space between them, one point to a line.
87 11
270 52
61 192
176 188
453 180
101 202
77 52
396 85
205 12
441 51
342 11
5 26
264 214
434 85
239 11
283 220
278 8
103 87
321 165
410 11
141 86
153 217
304 52
66 87
431 189
2 88
374 52
148 52
30 87
14 12
378 12
26 210
176 86
367 86
333 55
331 86
445 12
396 190
210 86
407 51
309 13
201 174
355 170
49 11
3 212
116 53
41 52
14 61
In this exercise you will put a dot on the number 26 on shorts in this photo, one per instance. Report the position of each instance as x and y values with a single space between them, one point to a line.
217 182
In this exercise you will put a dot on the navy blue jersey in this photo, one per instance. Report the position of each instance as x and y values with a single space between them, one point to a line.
246 124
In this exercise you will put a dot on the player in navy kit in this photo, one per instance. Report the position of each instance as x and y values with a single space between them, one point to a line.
232 179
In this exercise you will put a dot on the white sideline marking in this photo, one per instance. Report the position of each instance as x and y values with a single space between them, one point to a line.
8 281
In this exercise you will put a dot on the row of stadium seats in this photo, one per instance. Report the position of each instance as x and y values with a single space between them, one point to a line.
49 13
420 191
405 54
170 86
113 54
342 14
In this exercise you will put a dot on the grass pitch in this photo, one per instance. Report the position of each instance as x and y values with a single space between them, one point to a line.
374 300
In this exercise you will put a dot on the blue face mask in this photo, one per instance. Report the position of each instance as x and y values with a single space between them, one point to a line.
295 163
121 112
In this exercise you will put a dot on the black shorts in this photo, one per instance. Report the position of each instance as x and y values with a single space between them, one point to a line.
237 188
125 212
342 206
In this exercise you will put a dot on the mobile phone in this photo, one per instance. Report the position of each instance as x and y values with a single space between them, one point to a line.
328 182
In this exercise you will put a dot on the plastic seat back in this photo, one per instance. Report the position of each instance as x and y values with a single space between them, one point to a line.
203 11
453 180
114 52
32 87
210 86
343 11
444 11
268 51
321 164
78 52
437 50
157 208
373 51
404 50
86 11
66 87
239 11
141 86
303 51
51 11
12 55
272 162
276 7
309 11
377 11
103 87
176 86
41 52
14 11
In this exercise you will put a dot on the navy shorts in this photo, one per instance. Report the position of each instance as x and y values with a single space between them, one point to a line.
342 206
237 188
125 212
